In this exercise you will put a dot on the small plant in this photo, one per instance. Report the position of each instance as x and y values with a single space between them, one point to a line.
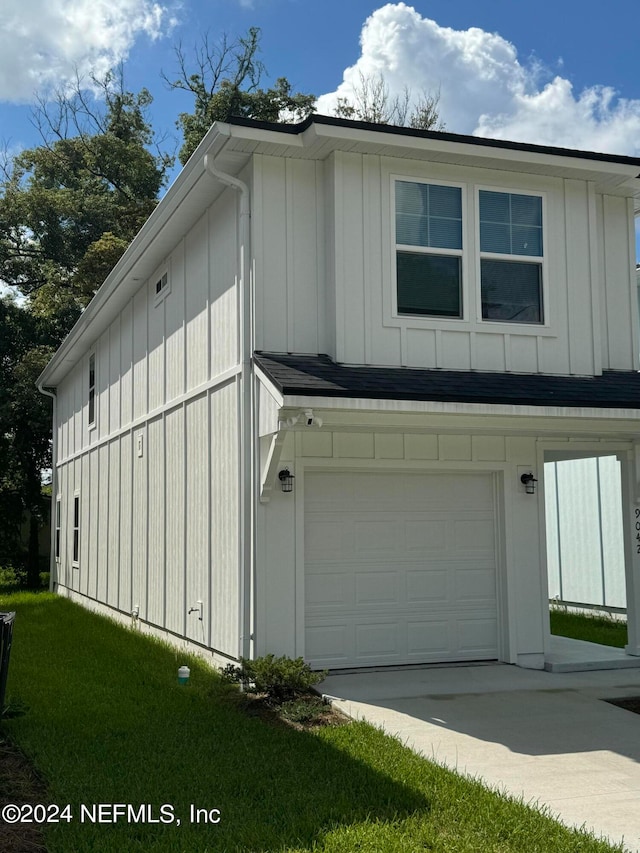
282 679
304 710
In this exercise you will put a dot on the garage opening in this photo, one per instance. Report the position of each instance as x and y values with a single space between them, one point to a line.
400 568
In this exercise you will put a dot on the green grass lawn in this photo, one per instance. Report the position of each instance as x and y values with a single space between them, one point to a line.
594 629
106 722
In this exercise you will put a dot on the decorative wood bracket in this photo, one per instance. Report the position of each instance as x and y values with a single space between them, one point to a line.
270 465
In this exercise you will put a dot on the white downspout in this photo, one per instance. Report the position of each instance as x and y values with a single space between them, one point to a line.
53 567
247 454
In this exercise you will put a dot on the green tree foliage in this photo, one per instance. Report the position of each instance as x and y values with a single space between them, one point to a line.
226 83
68 210
70 207
26 344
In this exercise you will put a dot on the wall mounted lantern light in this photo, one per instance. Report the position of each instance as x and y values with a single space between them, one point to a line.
529 483
286 480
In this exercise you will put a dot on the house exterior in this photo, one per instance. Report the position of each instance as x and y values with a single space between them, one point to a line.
308 412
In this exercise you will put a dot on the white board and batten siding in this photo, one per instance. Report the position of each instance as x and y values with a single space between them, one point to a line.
325 270
158 483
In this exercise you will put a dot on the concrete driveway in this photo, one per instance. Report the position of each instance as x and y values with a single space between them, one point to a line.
547 737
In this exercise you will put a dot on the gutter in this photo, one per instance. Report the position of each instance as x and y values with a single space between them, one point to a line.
248 449
54 482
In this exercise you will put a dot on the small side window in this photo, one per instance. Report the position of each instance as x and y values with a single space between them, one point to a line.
76 529
58 527
92 390
162 287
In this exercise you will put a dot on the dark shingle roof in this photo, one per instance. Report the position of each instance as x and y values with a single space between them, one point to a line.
317 375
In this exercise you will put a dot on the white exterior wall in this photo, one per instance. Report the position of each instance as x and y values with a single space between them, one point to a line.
523 618
325 252
158 475
288 242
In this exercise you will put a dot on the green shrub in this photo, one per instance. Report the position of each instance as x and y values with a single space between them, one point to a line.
11 577
282 679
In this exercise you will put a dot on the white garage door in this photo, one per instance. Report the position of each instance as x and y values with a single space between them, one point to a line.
399 568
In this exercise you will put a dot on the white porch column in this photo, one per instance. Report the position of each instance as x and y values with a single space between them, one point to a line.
631 529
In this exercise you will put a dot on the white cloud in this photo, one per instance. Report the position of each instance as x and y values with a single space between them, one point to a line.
485 89
43 43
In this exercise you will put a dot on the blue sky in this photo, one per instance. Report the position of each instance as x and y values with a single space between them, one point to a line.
562 72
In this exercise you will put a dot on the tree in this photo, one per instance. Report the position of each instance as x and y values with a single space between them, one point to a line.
372 102
26 345
226 83
70 207
68 210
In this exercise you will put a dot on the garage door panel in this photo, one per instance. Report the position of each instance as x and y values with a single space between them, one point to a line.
329 589
377 642
429 639
427 586
477 635
400 569
330 644
475 585
375 536
474 534
378 588
425 535
467 491
324 539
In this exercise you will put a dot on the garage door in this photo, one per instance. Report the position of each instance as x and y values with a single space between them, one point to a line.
399 568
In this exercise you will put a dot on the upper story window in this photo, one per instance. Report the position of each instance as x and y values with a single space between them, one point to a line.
429 249
434 272
511 254
92 390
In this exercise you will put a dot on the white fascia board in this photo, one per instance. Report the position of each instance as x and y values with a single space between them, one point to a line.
361 405
268 384
521 156
337 137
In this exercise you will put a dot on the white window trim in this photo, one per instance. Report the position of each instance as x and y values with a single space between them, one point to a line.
428 319
162 274
541 260
471 289
92 424
75 561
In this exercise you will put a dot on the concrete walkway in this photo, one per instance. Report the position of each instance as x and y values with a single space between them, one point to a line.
545 736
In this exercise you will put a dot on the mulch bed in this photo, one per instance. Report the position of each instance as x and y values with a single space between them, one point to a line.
258 705
19 784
